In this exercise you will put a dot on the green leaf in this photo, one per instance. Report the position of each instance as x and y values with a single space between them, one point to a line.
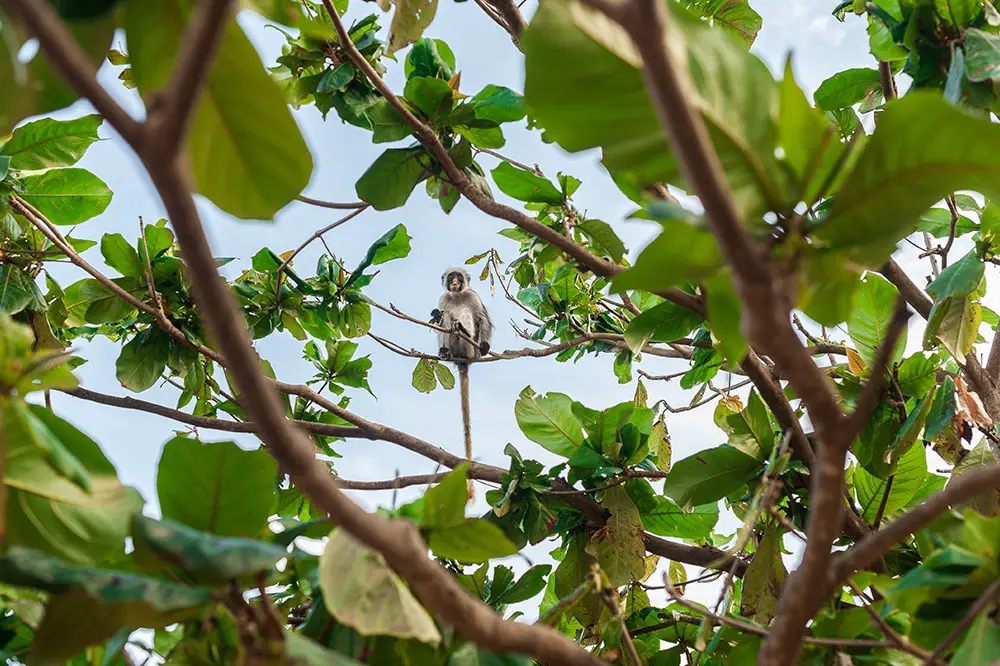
89 605
828 288
549 421
906 481
982 55
390 180
959 13
207 559
681 253
387 124
619 547
336 78
471 541
444 503
665 322
937 222
472 655
805 136
734 17
423 378
604 238
304 652
874 304
922 150
430 57
669 520
568 48
361 591
18 291
444 376
942 412
393 244
48 143
524 185
356 319
216 487
96 304
763 578
409 21
247 172
66 196
847 88
955 323
498 104
750 430
724 311
53 505
528 585
142 360
917 374
709 475
432 96
958 279
121 256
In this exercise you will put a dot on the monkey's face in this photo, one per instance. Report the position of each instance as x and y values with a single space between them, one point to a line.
455 282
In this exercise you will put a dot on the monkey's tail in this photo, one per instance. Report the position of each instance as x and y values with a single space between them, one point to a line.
463 386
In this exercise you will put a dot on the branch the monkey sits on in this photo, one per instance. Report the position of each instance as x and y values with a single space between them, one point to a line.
461 311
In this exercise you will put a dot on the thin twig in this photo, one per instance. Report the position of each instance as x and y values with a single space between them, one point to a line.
150 284
318 234
902 642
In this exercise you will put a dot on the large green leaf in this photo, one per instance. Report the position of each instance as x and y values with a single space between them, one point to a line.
603 237
121 256
216 487
361 591
981 644
750 430
18 291
937 222
906 481
204 558
669 520
735 17
763 578
143 359
923 149
79 520
955 323
48 143
847 88
584 85
665 322
390 180
874 304
682 252
444 503
549 421
958 279
618 547
709 475
393 244
470 541
66 196
499 104
525 186
247 154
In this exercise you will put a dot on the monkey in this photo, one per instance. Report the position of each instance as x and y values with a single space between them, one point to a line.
470 330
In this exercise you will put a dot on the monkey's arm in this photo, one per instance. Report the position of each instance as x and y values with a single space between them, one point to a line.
436 316
483 326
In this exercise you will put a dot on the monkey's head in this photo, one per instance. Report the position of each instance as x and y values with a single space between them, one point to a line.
455 280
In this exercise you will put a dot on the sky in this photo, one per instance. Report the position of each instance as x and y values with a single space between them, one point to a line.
821 46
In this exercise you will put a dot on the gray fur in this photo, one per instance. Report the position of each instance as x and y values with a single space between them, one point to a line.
466 308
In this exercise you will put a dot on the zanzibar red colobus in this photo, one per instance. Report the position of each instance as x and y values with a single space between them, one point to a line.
469 331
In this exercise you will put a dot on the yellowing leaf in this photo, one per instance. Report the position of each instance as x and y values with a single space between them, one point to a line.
409 22
618 546
361 591
855 362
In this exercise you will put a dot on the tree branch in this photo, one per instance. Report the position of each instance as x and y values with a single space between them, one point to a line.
984 600
960 489
319 233
73 65
330 204
170 116
429 139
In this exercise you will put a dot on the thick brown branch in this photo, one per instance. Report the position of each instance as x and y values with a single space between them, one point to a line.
170 115
72 64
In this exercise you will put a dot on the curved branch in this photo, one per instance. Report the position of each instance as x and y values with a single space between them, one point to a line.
330 204
330 227
961 489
